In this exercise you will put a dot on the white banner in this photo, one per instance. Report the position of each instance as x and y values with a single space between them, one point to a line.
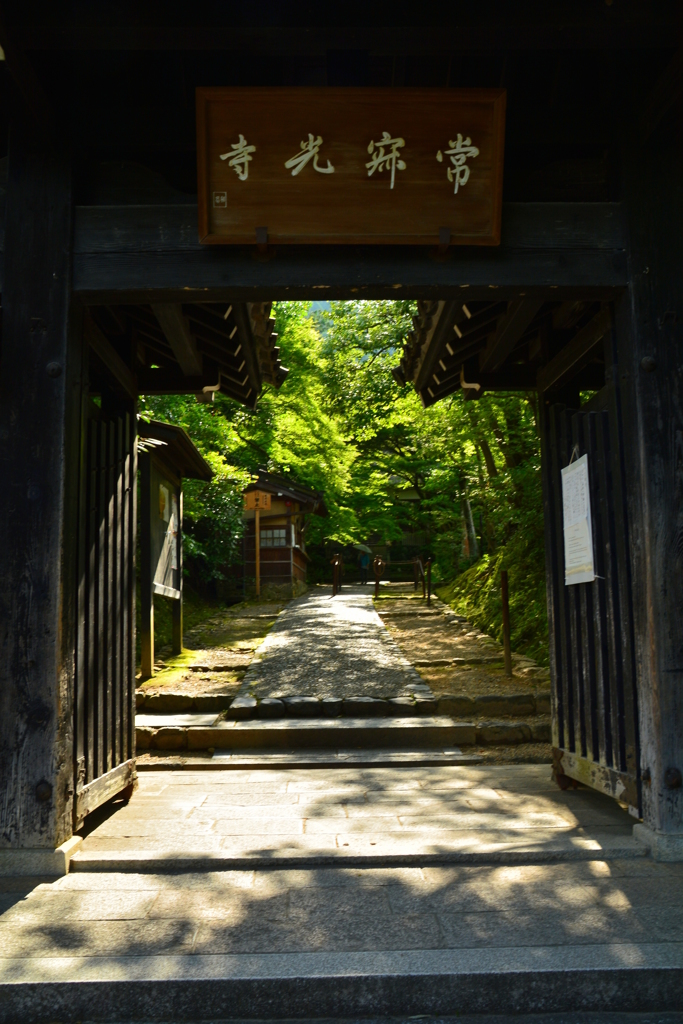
579 566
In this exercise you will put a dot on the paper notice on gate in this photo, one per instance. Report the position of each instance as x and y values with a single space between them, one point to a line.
579 565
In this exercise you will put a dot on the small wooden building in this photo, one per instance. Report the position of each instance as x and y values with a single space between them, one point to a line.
166 455
276 513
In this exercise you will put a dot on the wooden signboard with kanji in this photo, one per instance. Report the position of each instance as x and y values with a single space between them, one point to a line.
408 166
256 500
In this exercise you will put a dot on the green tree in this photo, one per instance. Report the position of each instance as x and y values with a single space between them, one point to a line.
464 476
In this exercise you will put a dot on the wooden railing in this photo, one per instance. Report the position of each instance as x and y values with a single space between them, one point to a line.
419 574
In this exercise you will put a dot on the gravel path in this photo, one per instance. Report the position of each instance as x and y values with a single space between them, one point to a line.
324 646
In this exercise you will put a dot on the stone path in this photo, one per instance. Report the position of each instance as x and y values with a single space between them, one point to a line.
590 904
512 930
322 646
299 816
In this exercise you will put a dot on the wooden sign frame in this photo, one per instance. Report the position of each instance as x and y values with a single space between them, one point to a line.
257 500
349 165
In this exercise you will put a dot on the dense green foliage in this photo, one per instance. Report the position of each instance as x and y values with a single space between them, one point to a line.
459 481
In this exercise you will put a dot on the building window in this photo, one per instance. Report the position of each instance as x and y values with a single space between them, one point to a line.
276 538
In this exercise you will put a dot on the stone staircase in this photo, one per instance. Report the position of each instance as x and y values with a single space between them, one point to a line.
297 725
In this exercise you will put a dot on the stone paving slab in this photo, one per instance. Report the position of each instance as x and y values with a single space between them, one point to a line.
412 814
416 940
324 646
161 720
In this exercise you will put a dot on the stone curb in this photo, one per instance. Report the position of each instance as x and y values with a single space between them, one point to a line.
246 707
33 861
485 733
375 984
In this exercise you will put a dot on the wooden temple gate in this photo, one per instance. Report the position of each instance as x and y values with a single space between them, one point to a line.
108 293
104 679
592 646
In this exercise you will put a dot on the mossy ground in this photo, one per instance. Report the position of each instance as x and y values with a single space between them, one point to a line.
476 594
218 645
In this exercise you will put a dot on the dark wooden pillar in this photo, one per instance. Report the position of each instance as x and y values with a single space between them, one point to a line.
146 569
177 610
649 340
40 420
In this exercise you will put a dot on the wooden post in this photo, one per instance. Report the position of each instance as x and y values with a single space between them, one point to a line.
648 339
506 621
429 581
178 604
336 574
378 567
257 549
41 387
146 568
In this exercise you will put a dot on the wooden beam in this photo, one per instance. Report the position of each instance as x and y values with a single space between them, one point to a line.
517 379
638 31
112 360
136 254
170 382
510 329
573 356
173 227
179 336
567 314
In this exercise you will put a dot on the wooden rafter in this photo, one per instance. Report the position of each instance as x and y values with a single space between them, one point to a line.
570 359
179 336
110 357
509 330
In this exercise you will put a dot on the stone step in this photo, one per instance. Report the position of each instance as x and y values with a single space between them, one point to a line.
266 760
579 982
460 706
477 847
439 732
177 732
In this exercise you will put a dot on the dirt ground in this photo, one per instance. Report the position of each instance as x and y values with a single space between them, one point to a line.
428 639
478 680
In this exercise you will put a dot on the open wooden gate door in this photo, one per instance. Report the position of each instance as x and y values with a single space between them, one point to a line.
592 647
104 718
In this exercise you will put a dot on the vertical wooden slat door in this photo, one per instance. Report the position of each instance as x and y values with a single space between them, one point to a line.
592 649
104 725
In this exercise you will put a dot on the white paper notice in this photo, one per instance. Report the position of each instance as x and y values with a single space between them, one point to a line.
579 566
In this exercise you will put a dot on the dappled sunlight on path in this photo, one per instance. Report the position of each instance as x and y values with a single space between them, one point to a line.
326 646
419 814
